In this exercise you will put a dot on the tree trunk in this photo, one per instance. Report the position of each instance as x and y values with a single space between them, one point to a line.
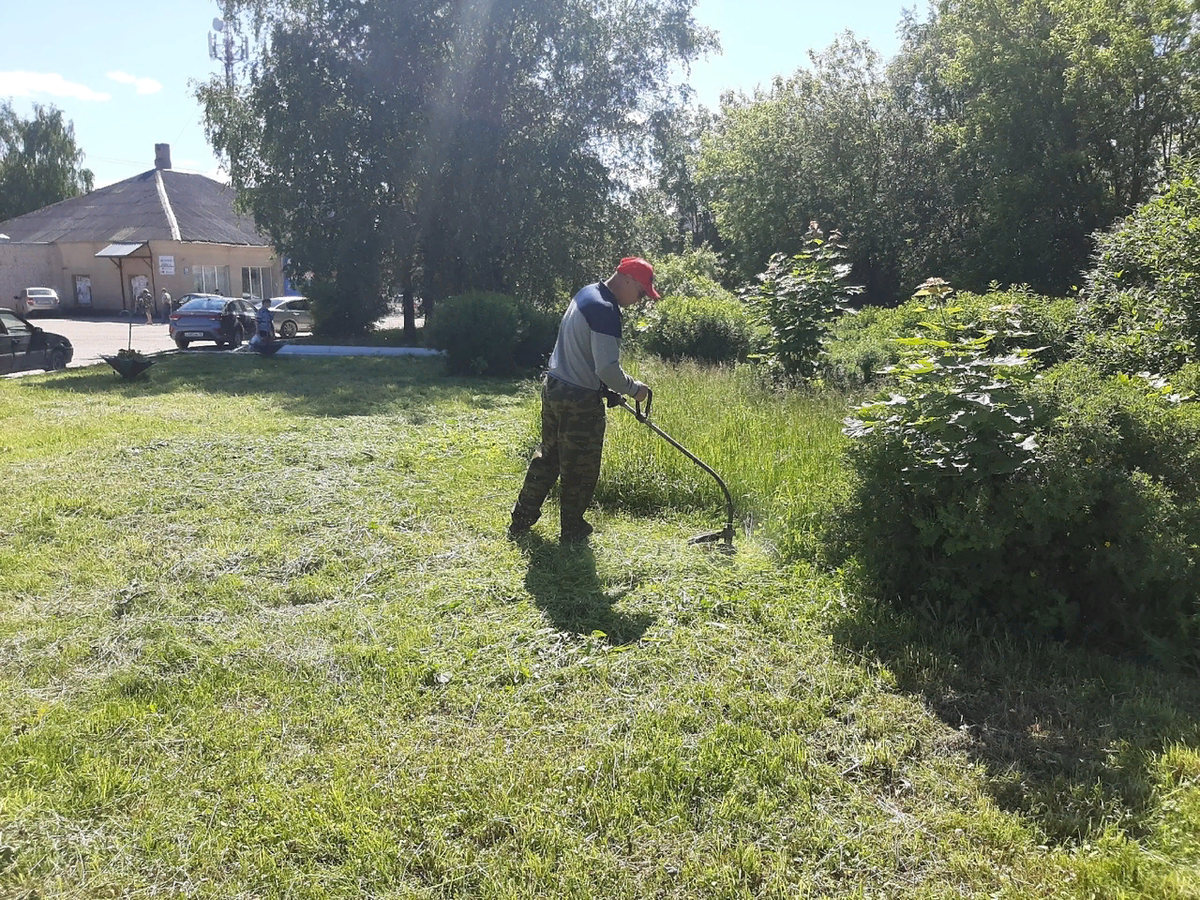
410 314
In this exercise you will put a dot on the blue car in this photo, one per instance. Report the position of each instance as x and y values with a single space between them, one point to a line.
210 317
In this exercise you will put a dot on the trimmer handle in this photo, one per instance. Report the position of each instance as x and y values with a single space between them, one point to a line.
643 416
612 398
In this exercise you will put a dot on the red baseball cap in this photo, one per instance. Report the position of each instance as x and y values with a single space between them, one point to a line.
641 272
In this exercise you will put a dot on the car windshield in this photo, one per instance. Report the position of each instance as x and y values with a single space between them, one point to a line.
40 292
204 304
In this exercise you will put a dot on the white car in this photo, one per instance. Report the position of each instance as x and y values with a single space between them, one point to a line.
291 314
36 299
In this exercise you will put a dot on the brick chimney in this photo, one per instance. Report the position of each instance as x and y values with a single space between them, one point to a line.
162 156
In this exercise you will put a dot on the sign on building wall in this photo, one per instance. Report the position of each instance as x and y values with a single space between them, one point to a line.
166 265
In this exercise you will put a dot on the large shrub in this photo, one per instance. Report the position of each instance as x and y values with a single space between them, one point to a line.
694 273
491 334
862 344
711 329
1142 309
346 306
1067 504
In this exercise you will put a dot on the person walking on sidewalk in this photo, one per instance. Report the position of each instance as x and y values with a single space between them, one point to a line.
146 304
585 361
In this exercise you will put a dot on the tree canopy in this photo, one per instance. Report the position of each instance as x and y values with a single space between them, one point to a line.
446 145
1000 138
40 163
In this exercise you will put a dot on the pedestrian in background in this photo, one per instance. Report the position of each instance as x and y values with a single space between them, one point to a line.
146 304
166 305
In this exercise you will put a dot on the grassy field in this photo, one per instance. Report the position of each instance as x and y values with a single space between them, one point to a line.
261 636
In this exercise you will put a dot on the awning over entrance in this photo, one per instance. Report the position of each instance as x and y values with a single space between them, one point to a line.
116 251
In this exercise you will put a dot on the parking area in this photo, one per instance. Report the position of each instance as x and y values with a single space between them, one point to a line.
93 337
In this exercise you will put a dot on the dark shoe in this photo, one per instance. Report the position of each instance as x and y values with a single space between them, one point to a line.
519 527
576 533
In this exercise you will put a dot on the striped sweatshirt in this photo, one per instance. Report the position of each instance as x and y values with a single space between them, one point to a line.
587 351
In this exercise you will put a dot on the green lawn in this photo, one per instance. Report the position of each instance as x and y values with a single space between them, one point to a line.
261 636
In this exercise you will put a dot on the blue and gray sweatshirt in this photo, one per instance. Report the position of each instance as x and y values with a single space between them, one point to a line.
587 351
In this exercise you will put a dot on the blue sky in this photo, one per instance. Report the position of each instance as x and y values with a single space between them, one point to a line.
122 71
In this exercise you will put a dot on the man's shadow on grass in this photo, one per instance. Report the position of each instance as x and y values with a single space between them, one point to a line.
1069 737
563 581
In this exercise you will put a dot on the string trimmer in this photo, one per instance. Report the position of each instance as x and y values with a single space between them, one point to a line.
726 533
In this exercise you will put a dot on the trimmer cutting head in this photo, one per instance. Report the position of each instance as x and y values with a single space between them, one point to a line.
725 535
723 539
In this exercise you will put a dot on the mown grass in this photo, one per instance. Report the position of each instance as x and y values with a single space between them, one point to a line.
261 636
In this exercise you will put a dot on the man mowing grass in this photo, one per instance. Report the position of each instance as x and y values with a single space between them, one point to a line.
586 359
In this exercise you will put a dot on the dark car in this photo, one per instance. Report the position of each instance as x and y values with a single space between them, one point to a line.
25 346
211 317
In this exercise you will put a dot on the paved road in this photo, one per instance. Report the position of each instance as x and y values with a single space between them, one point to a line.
93 337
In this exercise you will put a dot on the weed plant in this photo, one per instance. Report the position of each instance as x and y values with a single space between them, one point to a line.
261 636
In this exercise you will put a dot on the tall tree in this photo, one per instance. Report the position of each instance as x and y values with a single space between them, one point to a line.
673 209
825 145
1002 136
463 144
40 163
1053 118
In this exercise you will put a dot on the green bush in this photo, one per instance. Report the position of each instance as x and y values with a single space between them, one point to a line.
712 329
797 300
693 273
491 334
861 345
537 331
1142 309
1089 537
345 307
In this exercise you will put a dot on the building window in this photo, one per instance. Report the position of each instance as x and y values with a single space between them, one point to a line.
210 280
256 282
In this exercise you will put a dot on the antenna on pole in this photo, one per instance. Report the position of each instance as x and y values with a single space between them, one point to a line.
224 46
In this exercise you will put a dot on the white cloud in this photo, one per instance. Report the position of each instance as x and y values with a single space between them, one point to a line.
143 85
33 84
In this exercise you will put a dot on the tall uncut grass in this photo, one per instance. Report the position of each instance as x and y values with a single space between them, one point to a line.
778 453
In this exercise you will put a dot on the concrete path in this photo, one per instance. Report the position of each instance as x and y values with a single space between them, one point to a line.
314 350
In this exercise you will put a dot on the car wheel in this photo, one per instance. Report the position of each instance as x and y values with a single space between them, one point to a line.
56 359
181 343
287 329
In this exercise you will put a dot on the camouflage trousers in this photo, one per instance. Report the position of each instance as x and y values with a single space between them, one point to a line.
572 443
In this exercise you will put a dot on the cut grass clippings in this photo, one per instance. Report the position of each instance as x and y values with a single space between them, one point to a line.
261 636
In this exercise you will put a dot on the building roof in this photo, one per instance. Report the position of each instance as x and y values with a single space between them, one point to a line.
159 205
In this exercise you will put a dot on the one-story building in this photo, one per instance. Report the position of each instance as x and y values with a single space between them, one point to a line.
159 230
